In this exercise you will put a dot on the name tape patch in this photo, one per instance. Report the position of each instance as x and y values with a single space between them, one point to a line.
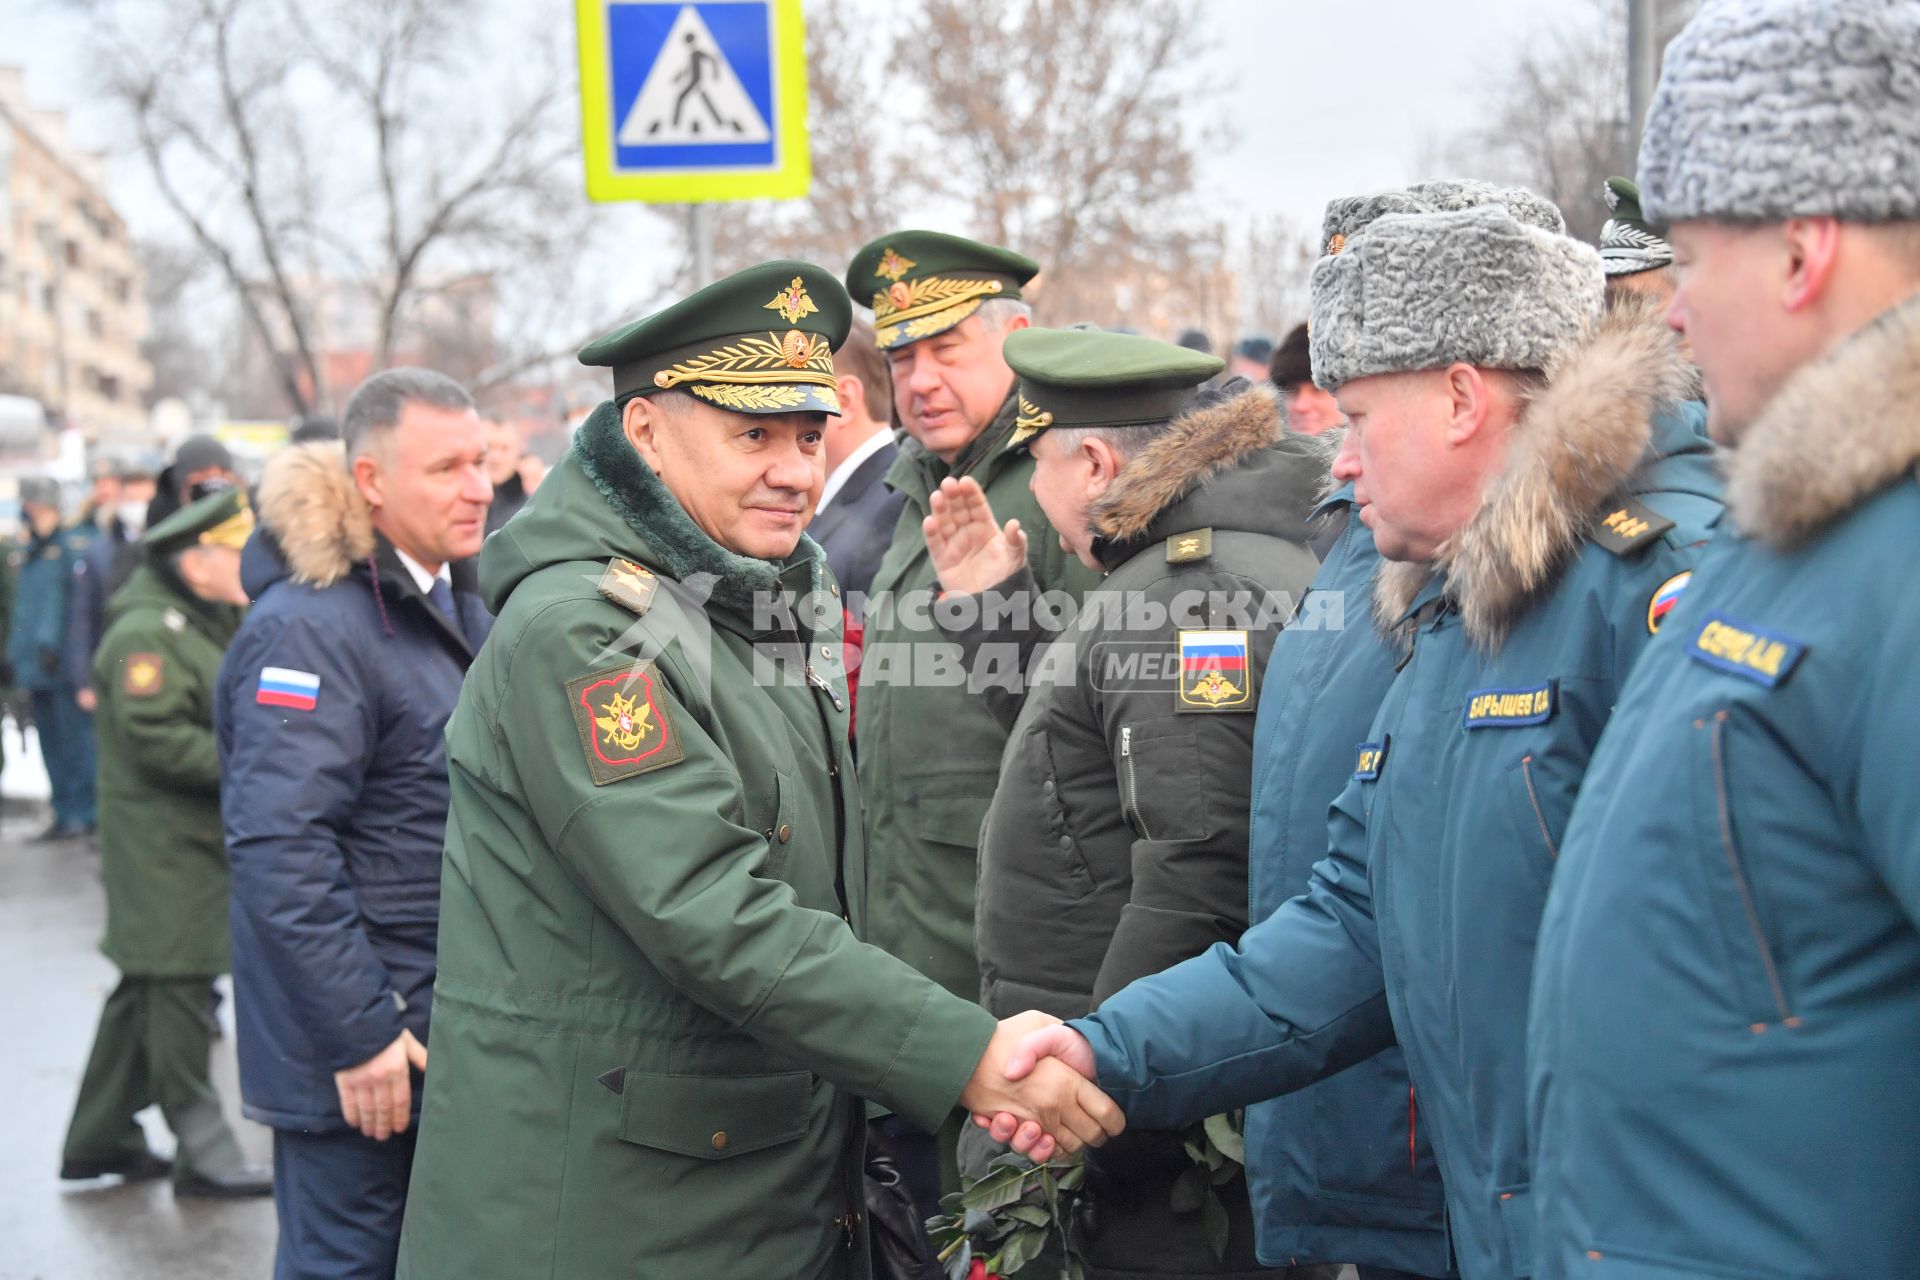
1762 656
1511 708
1373 758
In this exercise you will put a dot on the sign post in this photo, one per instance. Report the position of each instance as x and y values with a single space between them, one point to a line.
690 102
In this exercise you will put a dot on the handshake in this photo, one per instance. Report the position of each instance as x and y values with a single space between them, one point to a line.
1033 1089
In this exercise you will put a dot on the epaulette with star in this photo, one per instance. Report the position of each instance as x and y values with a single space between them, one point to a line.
629 585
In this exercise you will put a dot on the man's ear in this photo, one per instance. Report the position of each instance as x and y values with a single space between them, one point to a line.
641 420
1468 396
366 478
853 397
1812 248
1103 462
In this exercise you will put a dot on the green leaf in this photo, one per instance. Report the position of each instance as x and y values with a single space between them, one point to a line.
1072 1178
975 1221
1011 1160
1226 1138
1031 1214
1024 1247
994 1191
1189 1189
1213 1217
959 1261
1224 1174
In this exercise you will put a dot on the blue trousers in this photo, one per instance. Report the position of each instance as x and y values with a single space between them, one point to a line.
340 1197
66 746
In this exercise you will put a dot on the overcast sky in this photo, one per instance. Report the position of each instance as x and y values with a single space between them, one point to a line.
1325 99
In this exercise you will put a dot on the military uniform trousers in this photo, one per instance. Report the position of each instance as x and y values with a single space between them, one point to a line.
152 1048
340 1197
66 747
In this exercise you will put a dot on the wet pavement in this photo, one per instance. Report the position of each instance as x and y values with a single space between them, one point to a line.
54 981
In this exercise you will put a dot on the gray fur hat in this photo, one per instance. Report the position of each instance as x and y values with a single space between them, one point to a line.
1423 290
1350 215
1772 109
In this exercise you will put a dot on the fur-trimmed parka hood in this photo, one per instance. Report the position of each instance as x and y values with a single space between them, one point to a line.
1575 446
1227 464
1795 471
315 514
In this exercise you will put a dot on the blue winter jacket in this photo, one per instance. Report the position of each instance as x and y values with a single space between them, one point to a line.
330 711
1421 919
1726 1012
42 586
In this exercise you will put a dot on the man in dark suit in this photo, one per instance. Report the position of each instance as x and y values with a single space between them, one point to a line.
857 512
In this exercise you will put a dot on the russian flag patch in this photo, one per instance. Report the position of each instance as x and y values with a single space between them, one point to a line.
285 687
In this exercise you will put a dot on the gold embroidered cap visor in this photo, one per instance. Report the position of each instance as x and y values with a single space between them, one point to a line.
1087 378
220 519
759 341
921 283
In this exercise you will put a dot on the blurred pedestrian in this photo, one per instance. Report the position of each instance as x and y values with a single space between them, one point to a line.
1309 410
1251 357
115 520
200 466
504 453
163 860
331 714
36 644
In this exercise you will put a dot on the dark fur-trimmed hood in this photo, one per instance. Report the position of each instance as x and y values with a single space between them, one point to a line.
1195 448
1573 448
1840 430
316 515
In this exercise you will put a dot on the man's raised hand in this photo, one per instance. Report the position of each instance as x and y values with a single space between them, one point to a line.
969 551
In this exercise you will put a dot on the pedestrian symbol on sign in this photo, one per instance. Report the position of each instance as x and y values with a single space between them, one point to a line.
692 94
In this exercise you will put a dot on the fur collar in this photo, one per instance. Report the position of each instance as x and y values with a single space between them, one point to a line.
1574 446
315 512
1794 471
1196 447
680 548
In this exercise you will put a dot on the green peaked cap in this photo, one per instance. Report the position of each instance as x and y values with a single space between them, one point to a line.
920 283
1087 378
759 341
1629 244
220 519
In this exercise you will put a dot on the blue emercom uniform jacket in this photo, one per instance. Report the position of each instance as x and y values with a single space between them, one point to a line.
1341 1170
330 716
1421 920
1726 1014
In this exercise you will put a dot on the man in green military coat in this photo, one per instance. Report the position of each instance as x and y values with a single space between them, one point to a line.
929 750
163 859
655 1022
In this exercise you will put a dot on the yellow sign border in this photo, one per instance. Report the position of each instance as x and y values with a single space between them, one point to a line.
788 179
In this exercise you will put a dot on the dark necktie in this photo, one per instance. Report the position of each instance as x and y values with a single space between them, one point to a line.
442 596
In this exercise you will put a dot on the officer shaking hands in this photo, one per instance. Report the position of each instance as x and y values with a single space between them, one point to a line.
656 1025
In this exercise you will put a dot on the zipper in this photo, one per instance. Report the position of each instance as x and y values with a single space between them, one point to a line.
1735 866
1413 1133
1133 787
1533 796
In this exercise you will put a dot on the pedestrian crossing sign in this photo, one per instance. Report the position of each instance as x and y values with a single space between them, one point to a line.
693 101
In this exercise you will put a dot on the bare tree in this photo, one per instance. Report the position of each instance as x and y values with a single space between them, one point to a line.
1061 127
1557 121
337 166
1276 258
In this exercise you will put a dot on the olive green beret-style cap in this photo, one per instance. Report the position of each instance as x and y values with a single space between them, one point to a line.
220 519
1087 378
760 341
926 282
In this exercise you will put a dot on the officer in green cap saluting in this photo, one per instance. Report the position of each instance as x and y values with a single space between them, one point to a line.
163 858
929 750
655 1023
1116 844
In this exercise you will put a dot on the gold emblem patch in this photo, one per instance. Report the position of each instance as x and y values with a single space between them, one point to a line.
628 585
796 348
144 675
1214 674
623 729
1030 422
792 302
893 266
1185 548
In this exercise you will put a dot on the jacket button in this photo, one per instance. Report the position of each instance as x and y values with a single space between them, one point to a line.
833 590
786 833
1046 788
826 651
720 1140
1066 844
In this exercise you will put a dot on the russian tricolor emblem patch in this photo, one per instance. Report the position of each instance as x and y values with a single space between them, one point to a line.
1213 671
285 687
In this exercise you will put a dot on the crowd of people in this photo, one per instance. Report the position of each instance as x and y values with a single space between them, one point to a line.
1422 794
